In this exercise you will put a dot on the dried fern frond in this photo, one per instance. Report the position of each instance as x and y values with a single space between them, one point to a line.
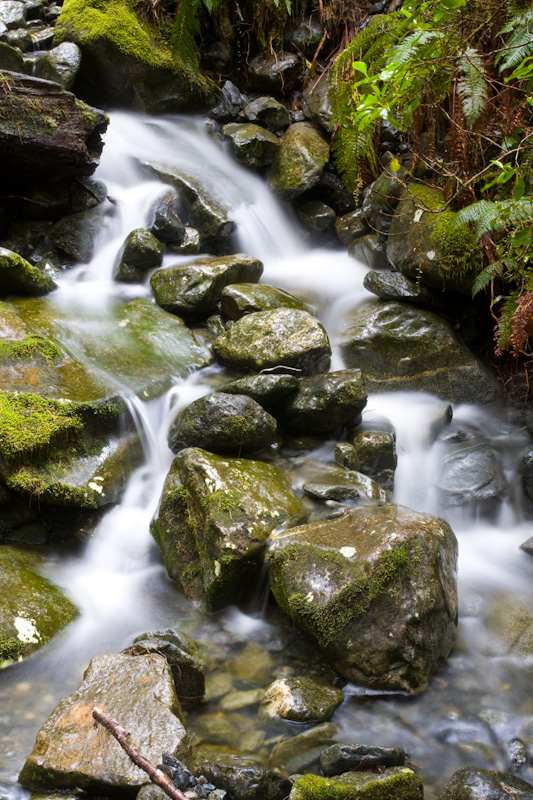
521 325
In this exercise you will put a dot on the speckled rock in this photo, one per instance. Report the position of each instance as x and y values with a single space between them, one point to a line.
299 162
140 252
324 402
470 783
301 699
252 145
375 590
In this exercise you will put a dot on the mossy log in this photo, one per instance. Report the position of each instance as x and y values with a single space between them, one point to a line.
45 132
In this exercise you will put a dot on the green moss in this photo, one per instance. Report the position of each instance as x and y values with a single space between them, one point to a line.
29 422
11 649
399 783
32 348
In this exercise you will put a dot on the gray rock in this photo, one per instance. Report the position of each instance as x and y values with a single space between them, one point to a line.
299 161
316 215
324 403
306 37
42 38
469 474
332 482
351 226
252 145
76 234
243 778
164 219
528 546
230 102
195 289
11 59
140 252
287 339
376 451
267 390
340 579
268 112
19 37
139 692
470 783
526 468
395 286
346 456
298 753
370 250
316 102
223 423
239 299
214 522
61 64
190 244
12 13
301 700
400 348
274 72
19 277
341 758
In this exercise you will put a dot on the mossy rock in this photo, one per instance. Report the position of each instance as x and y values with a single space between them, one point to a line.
325 402
375 590
19 277
400 348
301 700
127 63
425 247
243 778
32 609
194 290
251 144
243 298
470 783
141 251
299 161
214 521
267 390
286 338
399 783
60 64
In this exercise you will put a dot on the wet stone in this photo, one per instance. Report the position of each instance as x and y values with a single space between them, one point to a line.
267 390
243 778
325 402
267 111
11 59
300 752
316 215
19 277
341 758
141 252
528 546
395 286
301 700
245 298
398 782
351 226
61 64
376 451
252 145
276 72
299 161
346 456
470 783
470 474
370 250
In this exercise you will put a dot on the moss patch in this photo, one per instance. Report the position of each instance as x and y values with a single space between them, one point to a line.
32 348
399 783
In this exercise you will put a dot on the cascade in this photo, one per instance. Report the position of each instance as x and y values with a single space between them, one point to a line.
479 701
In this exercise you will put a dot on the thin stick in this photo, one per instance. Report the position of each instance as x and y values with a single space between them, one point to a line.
122 737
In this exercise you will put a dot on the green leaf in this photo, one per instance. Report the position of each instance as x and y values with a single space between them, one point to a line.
519 187
525 236
360 66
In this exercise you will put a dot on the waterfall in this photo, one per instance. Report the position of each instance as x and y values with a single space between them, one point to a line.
478 702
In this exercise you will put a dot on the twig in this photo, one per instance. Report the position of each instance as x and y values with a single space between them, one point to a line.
122 737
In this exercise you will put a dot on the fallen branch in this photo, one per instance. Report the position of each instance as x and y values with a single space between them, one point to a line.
156 775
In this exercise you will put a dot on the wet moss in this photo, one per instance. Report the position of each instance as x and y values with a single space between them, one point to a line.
29 422
32 348
11 648
398 782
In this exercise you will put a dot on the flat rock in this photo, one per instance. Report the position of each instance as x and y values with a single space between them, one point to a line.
301 699
243 298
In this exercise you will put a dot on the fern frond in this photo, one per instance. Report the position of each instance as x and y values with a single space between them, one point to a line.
350 146
472 86
505 323
186 25
519 45
485 277
483 215
406 50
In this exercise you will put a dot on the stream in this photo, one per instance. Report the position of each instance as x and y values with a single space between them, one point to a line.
480 702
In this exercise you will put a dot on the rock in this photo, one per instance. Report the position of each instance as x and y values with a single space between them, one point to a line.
13 14
469 474
180 652
274 72
425 247
301 700
243 778
324 403
195 289
252 145
351 226
190 244
19 38
60 64
141 252
164 220
285 338
223 423
239 299
206 213
125 64
376 452
306 37
346 456
370 250
375 590
470 783
394 286
508 621
299 161
528 546
299 752
63 140
526 469
217 57
18 276
230 103
32 609
329 482
341 758
267 390
405 349
384 195
215 519
316 103
142 346
43 38
53 199
11 58
315 215
268 112
139 693
398 782
76 234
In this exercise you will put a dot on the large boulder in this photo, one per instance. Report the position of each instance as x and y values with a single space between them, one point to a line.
299 161
18 276
400 348
286 338
62 140
375 590
195 289
32 609
223 423
73 752
76 234
214 521
124 63
470 783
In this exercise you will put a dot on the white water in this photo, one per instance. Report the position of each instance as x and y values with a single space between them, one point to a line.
479 701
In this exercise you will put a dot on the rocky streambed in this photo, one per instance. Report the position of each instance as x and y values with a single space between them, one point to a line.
211 387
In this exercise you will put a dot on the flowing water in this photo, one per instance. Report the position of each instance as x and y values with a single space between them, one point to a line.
480 700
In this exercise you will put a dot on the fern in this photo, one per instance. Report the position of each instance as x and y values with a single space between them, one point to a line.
483 215
472 87
520 44
485 277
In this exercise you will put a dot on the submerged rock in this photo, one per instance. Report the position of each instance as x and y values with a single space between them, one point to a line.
375 590
400 348
32 609
398 782
214 521
299 161
301 700
289 339
223 423
298 753
243 778
469 474
470 783
139 693
195 289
